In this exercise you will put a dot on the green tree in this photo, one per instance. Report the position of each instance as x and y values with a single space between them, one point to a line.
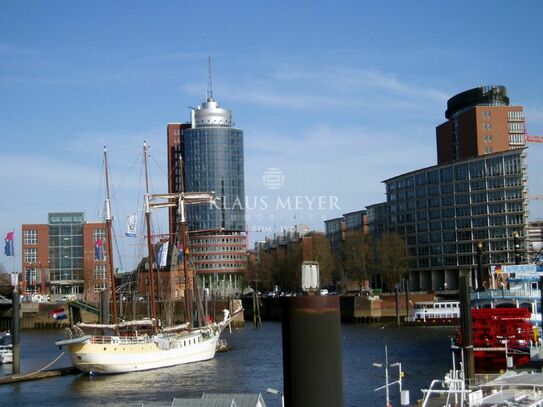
392 258
357 256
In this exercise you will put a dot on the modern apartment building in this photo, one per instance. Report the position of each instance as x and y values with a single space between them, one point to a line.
444 212
213 161
66 256
479 121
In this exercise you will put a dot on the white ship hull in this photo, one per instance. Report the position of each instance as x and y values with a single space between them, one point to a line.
107 355
6 356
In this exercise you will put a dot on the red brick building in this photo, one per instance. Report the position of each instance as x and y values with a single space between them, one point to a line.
480 121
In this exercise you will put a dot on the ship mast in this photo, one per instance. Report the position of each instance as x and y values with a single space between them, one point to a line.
182 230
109 242
180 200
149 243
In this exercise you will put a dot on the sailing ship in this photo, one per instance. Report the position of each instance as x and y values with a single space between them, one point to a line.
129 346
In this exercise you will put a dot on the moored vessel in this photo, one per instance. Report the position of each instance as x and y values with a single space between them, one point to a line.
128 346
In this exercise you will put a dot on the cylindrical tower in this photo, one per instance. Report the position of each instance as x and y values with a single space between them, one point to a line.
214 162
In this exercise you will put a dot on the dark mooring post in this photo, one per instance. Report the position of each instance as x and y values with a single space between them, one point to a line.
15 330
312 367
407 298
104 307
465 325
397 297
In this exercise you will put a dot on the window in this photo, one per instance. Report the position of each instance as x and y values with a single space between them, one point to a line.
464 223
516 138
479 222
515 115
516 127
30 236
487 138
487 126
99 234
461 172
99 287
487 114
461 187
31 255
433 177
488 150
477 168
462 211
446 174
100 272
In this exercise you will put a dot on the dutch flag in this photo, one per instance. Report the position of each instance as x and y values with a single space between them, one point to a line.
59 314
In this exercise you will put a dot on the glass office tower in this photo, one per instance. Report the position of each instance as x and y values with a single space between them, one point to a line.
213 162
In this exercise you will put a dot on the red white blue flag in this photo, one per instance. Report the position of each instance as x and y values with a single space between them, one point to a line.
59 314
8 248
99 249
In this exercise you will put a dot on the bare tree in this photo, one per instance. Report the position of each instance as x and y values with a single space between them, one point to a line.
357 256
322 253
392 258
5 282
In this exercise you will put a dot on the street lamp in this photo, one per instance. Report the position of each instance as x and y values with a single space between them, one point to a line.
516 247
387 384
276 392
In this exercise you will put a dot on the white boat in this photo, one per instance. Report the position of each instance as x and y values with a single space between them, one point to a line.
143 344
435 312
95 348
6 348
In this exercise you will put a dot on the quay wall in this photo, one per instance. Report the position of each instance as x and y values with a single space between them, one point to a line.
353 308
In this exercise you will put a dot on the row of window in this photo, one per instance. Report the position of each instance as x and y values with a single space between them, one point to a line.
488 167
513 198
516 127
516 138
516 115
222 266
219 257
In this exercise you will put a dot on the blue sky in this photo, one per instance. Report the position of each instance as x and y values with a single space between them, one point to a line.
337 95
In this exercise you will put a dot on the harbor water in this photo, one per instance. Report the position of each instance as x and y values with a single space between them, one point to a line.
254 364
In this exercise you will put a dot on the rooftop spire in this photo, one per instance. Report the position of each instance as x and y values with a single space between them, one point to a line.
209 83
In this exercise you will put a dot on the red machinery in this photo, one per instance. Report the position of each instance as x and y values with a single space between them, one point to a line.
497 332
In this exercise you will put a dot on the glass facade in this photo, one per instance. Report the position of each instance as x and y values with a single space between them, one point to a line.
443 212
66 252
214 162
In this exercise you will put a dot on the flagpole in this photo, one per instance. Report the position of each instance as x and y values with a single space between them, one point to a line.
13 247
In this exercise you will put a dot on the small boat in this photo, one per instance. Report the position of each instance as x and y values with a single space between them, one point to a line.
435 313
6 348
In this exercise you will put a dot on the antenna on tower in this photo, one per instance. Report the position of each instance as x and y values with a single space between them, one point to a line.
209 83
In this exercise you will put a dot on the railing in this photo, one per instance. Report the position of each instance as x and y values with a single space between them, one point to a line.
121 340
509 294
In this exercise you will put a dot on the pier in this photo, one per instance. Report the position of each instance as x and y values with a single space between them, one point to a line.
44 374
